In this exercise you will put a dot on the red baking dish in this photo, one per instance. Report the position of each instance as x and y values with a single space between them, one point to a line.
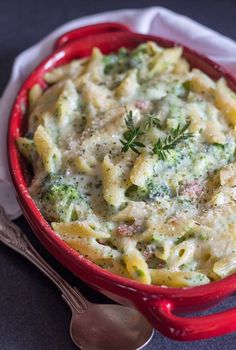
160 305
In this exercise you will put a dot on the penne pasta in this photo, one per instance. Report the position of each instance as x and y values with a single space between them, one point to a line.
133 158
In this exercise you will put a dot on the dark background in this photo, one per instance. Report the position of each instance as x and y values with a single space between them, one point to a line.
32 313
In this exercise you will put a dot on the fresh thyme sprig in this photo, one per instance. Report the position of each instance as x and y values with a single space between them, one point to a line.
152 121
163 146
131 135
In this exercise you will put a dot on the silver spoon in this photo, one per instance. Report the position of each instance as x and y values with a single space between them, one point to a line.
93 326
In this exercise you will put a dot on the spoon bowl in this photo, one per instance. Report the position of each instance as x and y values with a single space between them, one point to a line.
108 326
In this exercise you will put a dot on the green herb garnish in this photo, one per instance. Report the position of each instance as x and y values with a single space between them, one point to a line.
164 146
131 135
152 121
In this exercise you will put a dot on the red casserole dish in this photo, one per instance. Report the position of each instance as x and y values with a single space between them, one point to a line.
160 305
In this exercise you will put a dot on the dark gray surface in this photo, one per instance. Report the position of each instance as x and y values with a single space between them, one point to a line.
32 314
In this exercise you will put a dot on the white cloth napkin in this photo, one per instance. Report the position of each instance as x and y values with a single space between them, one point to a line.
154 20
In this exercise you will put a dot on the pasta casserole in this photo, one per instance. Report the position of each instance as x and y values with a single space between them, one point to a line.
133 156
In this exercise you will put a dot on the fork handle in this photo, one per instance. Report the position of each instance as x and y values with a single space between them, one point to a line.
13 237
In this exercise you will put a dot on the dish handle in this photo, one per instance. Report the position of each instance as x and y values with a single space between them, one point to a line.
94 29
160 314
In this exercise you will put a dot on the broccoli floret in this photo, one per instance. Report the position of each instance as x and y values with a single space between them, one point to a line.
153 190
157 189
59 193
137 59
136 193
123 60
109 62
58 199
116 62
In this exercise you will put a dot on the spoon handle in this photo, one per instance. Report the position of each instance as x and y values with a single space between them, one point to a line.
12 236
